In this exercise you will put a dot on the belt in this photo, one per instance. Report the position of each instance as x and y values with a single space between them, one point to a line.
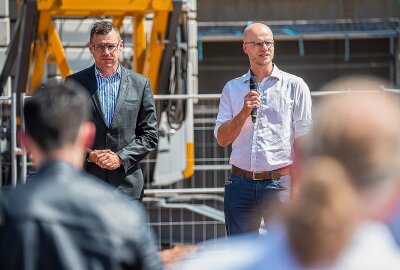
270 175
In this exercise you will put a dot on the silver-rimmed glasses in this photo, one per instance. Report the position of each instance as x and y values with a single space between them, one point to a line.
260 44
111 47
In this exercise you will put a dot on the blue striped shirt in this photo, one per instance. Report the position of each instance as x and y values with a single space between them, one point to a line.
108 92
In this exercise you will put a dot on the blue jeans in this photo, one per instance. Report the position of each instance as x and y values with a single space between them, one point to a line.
246 201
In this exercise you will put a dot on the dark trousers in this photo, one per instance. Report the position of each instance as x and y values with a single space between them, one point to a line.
246 201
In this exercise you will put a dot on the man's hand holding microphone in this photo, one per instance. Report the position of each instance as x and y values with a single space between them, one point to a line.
252 100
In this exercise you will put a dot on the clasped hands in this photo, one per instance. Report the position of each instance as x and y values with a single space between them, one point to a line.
105 159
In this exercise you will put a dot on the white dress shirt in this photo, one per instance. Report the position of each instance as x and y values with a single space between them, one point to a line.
284 115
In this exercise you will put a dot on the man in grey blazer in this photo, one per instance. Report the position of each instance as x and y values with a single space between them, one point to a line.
123 111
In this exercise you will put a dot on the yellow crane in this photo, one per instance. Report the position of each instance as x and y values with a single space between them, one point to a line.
146 59
35 42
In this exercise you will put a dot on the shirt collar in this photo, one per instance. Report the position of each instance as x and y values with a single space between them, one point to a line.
98 72
275 73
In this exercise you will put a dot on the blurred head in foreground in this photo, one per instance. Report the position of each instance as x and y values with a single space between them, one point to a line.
63 218
57 124
352 169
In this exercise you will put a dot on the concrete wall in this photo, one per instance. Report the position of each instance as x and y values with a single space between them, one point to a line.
266 10
324 60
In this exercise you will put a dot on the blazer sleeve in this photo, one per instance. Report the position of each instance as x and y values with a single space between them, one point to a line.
146 132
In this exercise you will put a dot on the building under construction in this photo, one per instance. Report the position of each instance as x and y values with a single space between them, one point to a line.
189 50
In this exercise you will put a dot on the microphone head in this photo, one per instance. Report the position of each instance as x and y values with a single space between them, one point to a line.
253 83
253 87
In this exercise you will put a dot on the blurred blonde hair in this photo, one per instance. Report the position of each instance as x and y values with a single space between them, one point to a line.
360 129
320 221
352 171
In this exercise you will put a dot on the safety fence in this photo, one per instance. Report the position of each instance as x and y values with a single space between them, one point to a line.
191 210
186 211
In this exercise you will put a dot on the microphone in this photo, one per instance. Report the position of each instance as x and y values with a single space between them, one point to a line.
253 87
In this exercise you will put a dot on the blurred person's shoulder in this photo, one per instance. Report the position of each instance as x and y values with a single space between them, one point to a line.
394 225
60 193
372 246
221 254
245 252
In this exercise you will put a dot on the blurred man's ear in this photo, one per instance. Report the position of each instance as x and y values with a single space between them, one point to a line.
87 132
31 148
23 141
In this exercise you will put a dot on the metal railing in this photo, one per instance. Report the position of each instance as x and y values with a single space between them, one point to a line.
188 211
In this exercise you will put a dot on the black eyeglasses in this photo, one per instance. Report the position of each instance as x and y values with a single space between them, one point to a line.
111 47
260 44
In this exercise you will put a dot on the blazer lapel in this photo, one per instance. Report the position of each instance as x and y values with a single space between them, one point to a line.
123 90
94 94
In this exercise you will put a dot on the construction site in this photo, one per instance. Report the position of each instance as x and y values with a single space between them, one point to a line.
188 49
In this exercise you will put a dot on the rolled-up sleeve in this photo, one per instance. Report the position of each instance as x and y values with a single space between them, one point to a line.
225 112
302 112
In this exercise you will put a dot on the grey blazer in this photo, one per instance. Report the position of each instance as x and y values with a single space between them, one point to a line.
133 132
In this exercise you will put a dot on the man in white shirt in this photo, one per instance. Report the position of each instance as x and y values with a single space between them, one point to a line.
262 147
349 185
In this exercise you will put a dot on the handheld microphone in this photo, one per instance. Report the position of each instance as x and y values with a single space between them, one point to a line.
253 87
